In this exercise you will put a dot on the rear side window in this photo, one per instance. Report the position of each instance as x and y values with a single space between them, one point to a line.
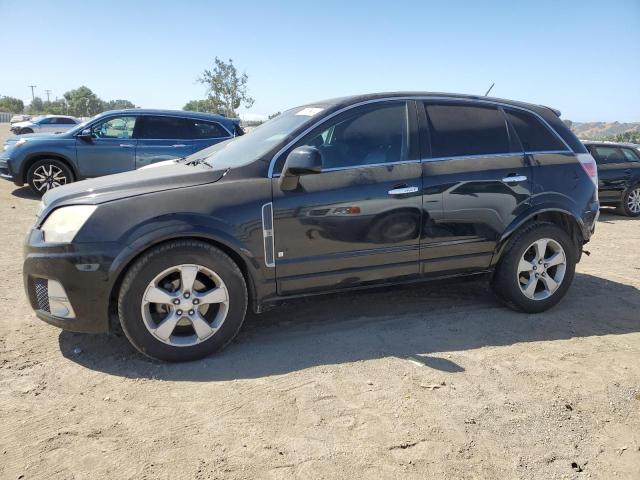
458 130
164 128
631 155
533 135
66 121
605 155
204 129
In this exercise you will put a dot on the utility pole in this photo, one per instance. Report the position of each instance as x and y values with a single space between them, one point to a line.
33 96
48 92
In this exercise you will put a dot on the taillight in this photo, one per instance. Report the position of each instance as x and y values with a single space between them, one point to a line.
589 166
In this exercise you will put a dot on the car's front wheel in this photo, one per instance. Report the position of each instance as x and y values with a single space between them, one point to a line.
24 131
182 301
46 174
538 268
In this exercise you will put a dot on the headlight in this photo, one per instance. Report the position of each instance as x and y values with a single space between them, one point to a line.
22 141
62 225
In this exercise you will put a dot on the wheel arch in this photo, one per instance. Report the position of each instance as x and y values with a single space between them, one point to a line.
235 256
45 156
557 216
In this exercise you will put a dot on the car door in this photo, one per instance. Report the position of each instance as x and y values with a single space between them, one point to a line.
359 220
162 138
207 133
478 174
110 149
614 172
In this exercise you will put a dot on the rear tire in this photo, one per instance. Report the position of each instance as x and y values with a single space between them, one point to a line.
536 271
630 205
164 271
48 173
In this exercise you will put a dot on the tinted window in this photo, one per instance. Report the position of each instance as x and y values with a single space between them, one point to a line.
114 127
457 130
533 135
160 128
47 121
608 155
373 135
202 129
66 121
631 155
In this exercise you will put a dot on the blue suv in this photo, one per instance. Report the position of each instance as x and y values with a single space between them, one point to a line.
112 142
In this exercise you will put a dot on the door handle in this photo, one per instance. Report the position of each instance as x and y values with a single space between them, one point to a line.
514 179
127 145
403 190
178 145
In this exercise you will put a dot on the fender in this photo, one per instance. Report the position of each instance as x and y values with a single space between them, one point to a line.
529 215
261 281
28 160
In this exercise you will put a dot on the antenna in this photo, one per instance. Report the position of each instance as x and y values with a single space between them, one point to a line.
489 89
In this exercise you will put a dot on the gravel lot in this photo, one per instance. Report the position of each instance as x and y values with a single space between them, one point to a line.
429 381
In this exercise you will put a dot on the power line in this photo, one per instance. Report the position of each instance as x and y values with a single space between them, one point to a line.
48 92
33 95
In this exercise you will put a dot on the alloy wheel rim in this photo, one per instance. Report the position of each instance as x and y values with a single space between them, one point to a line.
185 305
541 269
46 177
633 201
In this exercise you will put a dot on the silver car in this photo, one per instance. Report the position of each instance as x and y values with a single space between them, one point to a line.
45 124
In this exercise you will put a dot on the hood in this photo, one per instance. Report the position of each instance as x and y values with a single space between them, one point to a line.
37 136
24 123
131 184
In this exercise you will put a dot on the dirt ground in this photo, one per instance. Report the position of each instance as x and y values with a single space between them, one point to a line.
429 381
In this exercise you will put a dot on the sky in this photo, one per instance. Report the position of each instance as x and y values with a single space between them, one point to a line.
581 57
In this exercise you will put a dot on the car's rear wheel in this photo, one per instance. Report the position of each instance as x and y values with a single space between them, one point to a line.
46 174
25 131
182 301
630 205
538 268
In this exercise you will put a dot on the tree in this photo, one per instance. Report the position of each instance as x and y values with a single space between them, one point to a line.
199 106
36 106
568 123
57 107
118 105
274 115
83 102
226 90
11 105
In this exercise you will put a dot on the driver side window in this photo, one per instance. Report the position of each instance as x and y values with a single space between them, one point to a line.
114 127
371 135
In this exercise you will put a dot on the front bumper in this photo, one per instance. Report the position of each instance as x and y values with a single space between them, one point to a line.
84 272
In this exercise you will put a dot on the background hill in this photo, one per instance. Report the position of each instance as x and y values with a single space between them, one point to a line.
606 130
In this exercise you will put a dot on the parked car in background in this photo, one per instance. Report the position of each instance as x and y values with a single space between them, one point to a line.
112 142
45 124
618 175
19 118
339 194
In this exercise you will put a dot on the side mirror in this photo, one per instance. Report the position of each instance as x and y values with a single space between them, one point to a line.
85 135
303 161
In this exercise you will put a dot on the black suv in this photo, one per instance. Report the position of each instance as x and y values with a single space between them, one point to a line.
618 175
340 194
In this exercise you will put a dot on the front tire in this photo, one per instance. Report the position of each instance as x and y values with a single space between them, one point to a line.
46 174
182 301
25 131
630 205
537 269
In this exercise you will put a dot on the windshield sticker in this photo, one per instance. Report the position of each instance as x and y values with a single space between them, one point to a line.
309 111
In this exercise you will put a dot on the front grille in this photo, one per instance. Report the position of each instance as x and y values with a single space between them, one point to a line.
42 293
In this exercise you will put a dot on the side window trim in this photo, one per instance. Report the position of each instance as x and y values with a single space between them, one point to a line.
274 159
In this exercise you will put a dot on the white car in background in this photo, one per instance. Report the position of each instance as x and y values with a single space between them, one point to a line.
45 124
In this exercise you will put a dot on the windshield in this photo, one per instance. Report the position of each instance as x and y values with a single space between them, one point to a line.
255 144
